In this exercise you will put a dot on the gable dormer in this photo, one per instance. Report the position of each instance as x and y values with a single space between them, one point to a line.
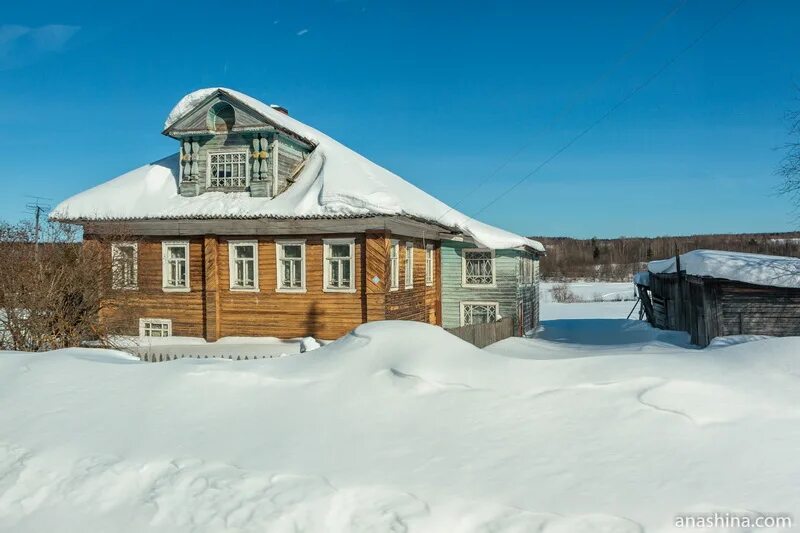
225 146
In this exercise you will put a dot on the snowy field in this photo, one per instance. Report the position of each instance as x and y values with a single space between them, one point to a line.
600 425
591 291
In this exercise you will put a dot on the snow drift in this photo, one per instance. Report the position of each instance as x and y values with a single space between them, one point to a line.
402 427
335 182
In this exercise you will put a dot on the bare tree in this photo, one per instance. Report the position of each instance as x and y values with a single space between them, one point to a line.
789 169
53 290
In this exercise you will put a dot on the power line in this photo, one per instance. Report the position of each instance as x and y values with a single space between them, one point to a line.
616 106
36 209
575 102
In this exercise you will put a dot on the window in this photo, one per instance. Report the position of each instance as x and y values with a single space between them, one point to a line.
478 267
527 269
291 266
409 265
227 169
124 265
155 327
394 265
479 312
243 261
339 275
221 117
175 262
429 257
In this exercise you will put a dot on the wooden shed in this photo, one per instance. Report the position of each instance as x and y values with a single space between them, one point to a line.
711 294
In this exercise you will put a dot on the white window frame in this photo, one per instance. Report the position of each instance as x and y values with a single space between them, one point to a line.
247 163
115 275
394 265
161 321
430 265
165 267
464 283
326 244
232 266
462 305
278 248
409 265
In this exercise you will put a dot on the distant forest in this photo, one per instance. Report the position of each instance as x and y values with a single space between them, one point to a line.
618 259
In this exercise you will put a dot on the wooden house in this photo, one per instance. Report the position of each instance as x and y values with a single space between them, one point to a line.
482 285
710 294
263 226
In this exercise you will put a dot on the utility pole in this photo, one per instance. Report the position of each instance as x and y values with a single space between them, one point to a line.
36 208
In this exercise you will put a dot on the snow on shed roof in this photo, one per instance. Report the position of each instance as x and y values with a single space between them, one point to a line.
335 182
756 269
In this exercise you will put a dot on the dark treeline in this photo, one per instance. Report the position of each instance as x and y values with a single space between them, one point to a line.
617 259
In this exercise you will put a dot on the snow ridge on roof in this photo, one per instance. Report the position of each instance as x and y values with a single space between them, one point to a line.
756 269
335 182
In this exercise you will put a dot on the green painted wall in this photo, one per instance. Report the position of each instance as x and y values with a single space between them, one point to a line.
509 291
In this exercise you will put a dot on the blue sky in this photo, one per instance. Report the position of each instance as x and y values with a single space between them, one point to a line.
442 93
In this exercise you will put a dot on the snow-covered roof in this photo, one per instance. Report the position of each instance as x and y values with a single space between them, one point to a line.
335 182
642 278
755 269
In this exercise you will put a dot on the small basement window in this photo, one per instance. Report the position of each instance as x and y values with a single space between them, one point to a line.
155 327
227 169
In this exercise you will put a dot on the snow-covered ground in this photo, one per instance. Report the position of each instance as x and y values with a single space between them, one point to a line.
600 425
554 310
591 291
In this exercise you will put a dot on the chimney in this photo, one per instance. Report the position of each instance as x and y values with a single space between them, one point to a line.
279 108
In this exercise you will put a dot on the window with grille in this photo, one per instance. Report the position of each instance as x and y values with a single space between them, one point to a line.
478 267
124 267
291 265
227 169
243 258
175 259
479 313
409 265
394 265
155 327
339 265
429 265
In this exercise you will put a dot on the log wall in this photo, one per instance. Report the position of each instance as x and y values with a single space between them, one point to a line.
212 310
707 307
419 302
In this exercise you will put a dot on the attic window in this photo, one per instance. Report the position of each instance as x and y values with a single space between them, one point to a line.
221 117
227 169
